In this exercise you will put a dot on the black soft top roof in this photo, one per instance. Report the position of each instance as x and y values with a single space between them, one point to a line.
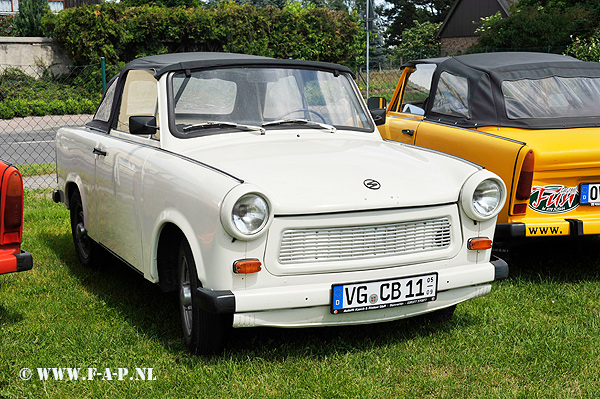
486 72
165 63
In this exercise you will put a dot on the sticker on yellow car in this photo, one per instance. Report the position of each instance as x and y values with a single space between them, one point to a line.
553 199
544 231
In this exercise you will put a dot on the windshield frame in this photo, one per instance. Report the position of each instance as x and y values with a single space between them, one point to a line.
177 132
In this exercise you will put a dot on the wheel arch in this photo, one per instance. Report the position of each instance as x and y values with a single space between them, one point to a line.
168 238
76 184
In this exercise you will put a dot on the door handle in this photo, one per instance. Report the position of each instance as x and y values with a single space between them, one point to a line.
98 151
410 132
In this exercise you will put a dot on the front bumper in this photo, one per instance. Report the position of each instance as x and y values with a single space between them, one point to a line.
289 306
16 262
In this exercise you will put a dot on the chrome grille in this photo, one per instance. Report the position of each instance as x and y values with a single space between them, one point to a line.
345 243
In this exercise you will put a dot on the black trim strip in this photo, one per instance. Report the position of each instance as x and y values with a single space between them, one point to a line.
509 230
218 302
500 268
575 227
24 261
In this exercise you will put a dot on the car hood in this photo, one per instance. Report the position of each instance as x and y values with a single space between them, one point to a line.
325 172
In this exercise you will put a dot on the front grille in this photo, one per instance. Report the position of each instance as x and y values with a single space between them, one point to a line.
345 243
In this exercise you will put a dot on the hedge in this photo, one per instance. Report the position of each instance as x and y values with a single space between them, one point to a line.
120 33
22 95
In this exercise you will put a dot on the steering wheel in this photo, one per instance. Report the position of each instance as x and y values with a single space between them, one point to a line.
303 110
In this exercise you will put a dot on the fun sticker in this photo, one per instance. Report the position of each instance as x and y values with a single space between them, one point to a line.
553 199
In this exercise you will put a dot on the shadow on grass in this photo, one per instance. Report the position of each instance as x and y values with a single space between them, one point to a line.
156 315
557 259
141 303
8 316
325 342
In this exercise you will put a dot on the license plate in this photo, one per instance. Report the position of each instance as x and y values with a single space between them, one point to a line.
589 194
382 294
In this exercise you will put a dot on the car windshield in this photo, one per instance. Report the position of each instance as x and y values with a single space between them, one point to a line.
553 97
230 99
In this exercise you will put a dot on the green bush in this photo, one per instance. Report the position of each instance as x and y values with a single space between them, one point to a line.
120 33
585 49
535 27
6 25
22 95
28 22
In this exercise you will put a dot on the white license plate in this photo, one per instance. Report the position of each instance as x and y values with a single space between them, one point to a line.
373 295
589 194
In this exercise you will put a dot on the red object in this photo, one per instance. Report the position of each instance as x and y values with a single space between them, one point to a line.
12 258
526 177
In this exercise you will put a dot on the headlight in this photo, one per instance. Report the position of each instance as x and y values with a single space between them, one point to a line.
250 214
245 213
483 195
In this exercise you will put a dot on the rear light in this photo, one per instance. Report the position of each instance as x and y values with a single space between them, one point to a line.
13 207
519 209
525 178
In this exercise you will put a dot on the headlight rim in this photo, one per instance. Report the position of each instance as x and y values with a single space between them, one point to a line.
468 191
227 207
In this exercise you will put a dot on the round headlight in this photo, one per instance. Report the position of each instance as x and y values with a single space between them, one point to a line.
487 197
250 214
483 195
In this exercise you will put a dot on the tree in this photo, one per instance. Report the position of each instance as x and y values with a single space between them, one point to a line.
418 42
586 49
28 22
403 14
536 27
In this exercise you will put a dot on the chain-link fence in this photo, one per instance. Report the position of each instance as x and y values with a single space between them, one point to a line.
35 101
382 82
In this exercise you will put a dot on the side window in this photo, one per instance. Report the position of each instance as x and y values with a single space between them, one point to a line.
452 96
103 111
139 97
416 90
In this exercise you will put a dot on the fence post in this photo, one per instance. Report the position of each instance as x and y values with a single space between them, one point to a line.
103 66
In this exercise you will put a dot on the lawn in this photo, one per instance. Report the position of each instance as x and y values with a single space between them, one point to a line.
536 335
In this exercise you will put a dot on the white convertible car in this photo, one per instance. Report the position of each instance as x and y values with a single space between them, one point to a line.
262 192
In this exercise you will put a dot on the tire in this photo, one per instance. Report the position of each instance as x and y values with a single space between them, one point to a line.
204 333
87 250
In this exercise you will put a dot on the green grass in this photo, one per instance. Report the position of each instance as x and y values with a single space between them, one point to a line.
36 169
535 336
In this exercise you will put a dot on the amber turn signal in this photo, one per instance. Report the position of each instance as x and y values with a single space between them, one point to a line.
246 266
479 243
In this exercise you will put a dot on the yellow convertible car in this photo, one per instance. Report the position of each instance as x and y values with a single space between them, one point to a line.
533 119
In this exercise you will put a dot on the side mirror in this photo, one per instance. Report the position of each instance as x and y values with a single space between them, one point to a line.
378 116
142 125
376 102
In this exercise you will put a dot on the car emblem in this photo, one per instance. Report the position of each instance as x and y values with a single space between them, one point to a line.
372 184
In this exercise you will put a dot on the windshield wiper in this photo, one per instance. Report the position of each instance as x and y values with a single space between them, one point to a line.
210 124
331 128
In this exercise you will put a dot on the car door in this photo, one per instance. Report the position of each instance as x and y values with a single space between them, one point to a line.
407 108
119 170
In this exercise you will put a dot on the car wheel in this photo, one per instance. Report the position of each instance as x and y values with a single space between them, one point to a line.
204 332
86 248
